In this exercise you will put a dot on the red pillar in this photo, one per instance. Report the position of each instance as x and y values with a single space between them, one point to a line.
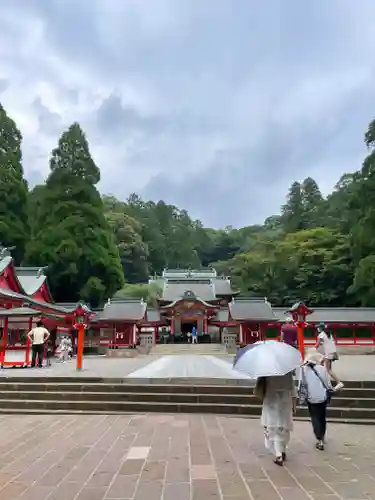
172 325
4 341
301 339
80 344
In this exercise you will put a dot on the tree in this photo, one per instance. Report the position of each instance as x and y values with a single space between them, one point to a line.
292 213
14 228
148 292
131 247
312 201
71 232
317 266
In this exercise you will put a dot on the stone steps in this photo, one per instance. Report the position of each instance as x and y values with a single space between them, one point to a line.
356 403
196 349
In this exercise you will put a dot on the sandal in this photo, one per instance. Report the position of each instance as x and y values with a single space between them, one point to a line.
279 461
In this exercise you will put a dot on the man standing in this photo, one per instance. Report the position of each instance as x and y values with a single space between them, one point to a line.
38 336
194 335
289 333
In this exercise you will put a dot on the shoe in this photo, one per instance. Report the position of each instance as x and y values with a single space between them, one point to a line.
284 456
338 386
319 446
279 461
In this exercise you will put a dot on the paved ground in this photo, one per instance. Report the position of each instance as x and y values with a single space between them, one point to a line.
189 366
141 367
353 367
184 457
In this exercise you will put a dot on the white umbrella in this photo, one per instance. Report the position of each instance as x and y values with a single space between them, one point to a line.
269 359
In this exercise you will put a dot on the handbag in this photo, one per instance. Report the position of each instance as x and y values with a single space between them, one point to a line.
302 390
329 391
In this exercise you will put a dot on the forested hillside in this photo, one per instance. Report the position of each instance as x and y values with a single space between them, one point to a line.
321 250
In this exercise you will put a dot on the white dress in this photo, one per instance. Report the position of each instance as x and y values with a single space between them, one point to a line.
277 412
328 346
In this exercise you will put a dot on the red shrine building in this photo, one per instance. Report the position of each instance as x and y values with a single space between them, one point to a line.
189 299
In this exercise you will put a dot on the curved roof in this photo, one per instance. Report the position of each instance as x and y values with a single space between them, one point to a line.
122 310
31 278
251 309
174 291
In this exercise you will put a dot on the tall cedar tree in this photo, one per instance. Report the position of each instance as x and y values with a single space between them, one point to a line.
292 218
14 230
312 200
71 232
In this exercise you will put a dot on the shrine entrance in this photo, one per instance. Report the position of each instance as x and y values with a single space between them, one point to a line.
186 328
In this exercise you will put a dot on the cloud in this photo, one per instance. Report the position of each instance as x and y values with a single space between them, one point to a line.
211 108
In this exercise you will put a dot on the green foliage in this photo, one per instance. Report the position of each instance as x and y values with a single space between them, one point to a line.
70 231
148 292
14 228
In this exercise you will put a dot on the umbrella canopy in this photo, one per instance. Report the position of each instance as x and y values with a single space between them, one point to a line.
243 350
268 359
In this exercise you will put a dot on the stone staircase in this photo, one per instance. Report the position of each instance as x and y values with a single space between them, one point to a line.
354 404
195 349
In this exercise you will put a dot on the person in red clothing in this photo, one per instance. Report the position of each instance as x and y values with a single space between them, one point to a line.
289 333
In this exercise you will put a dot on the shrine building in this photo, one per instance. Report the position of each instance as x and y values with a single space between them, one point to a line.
188 299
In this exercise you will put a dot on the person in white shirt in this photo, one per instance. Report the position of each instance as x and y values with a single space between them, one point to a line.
38 336
315 384
326 344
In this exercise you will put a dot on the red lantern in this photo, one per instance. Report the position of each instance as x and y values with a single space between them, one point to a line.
299 312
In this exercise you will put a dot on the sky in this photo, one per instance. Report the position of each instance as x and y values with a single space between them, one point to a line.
216 106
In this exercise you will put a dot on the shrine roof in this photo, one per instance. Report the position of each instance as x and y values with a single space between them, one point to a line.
223 286
4 262
31 278
10 295
333 314
251 308
189 273
174 291
153 315
222 316
122 309
19 312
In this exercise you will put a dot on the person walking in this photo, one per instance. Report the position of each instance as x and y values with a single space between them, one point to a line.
279 405
194 338
326 344
315 385
38 336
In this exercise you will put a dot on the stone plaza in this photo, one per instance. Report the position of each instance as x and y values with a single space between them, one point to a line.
177 456
184 457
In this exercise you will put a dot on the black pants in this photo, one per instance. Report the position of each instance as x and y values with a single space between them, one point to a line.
318 419
37 350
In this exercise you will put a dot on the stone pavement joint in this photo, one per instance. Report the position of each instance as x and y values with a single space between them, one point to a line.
184 457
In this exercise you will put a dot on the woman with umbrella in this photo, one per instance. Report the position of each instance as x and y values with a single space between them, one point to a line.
272 364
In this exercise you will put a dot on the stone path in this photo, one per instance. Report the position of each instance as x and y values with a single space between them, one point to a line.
183 457
188 366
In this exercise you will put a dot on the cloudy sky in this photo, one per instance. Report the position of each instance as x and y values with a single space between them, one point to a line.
213 105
